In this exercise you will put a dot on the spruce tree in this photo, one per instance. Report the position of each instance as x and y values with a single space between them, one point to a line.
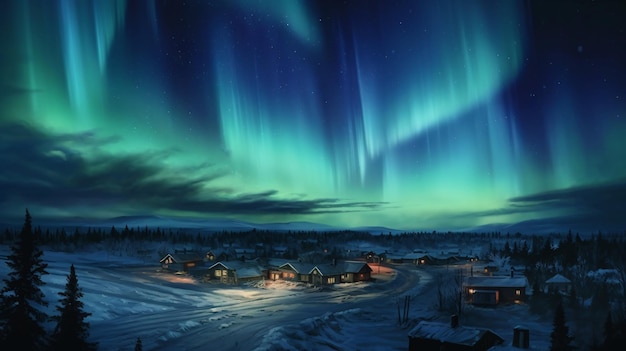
21 298
138 345
560 338
72 331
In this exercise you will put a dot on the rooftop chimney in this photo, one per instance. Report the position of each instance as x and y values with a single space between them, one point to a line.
454 321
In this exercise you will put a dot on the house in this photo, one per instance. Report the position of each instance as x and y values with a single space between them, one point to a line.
435 336
494 290
216 255
490 270
181 261
295 271
234 272
326 274
356 272
559 283
394 258
244 254
280 251
436 259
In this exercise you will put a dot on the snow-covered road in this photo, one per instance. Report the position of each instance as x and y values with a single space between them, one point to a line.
129 298
234 318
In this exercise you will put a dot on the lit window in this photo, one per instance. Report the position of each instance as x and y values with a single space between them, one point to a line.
518 292
331 280
471 291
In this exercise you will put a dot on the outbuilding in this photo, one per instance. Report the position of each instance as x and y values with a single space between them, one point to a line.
495 290
435 336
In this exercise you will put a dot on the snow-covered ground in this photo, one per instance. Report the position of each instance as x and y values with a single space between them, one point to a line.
129 298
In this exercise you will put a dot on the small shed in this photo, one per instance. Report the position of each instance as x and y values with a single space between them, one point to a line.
559 283
435 336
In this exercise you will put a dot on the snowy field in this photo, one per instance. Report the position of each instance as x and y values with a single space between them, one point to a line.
129 298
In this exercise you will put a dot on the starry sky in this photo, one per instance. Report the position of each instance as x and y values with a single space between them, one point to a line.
427 115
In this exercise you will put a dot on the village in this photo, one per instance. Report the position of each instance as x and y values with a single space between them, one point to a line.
462 275
338 291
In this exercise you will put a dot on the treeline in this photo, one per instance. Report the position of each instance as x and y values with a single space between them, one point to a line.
300 241
597 251
596 267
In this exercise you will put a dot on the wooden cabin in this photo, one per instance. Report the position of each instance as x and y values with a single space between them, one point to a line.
296 272
494 290
181 261
355 272
234 272
326 274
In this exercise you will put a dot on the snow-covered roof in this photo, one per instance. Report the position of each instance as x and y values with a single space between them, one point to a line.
354 267
183 257
244 269
496 282
328 269
244 251
298 267
558 279
444 332
275 262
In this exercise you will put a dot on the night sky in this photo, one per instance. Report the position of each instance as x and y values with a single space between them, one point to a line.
435 115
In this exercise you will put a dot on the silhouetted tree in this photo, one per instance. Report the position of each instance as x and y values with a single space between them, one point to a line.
20 321
71 331
138 345
560 338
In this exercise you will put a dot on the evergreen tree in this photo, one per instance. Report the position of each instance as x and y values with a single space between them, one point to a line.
20 321
560 338
72 331
138 345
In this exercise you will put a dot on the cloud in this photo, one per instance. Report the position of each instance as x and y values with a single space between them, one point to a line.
601 196
70 172
590 207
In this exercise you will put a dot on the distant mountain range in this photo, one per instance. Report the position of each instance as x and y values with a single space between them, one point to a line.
539 226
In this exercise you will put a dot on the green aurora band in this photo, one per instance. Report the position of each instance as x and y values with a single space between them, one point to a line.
406 112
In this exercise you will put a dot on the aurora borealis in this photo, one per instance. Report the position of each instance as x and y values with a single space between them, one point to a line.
407 114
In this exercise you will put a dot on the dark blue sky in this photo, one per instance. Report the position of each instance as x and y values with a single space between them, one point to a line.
413 115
